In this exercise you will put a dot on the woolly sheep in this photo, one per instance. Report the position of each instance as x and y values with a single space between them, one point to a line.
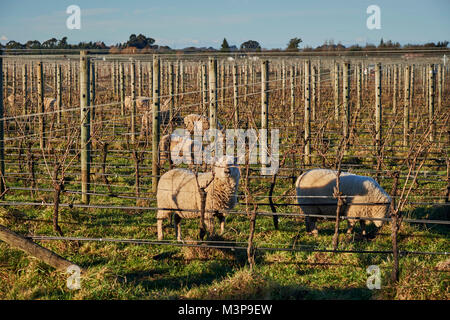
177 189
141 102
171 142
317 187
49 104
10 99
144 106
191 119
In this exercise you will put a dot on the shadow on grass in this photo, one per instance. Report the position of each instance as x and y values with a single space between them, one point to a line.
291 292
434 213
158 279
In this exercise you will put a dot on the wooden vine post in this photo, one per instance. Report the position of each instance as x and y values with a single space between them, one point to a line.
85 152
92 89
346 98
431 93
171 91
264 111
24 88
212 75
313 92
378 108
307 112
41 107
156 122
336 91
439 87
204 88
122 89
292 95
358 88
58 94
395 89
133 101
406 106
235 96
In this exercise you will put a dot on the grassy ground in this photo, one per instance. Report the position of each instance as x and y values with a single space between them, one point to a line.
127 271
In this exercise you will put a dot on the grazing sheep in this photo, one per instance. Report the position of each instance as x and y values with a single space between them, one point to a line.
144 106
177 189
173 142
10 100
317 187
191 119
141 102
49 104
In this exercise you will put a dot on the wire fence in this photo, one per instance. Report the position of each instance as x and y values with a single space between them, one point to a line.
415 114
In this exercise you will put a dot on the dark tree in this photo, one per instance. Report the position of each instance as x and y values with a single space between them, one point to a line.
63 43
140 41
293 44
13 45
225 46
50 43
33 44
251 45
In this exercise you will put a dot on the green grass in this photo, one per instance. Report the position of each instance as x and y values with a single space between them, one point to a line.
128 271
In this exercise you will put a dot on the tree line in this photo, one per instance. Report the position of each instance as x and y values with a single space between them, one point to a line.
143 44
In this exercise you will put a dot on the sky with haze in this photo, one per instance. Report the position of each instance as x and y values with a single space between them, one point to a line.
203 23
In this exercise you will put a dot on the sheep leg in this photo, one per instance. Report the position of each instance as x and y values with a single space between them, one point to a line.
362 223
159 226
311 226
177 226
222 224
351 225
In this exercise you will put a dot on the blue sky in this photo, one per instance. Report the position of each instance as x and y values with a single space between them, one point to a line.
179 24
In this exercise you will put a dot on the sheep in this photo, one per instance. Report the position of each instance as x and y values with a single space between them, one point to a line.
317 187
173 143
141 102
10 100
49 104
191 120
177 189
144 103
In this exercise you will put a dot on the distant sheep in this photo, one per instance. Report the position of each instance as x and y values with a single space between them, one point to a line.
177 189
144 107
176 143
141 102
192 119
10 100
50 104
317 187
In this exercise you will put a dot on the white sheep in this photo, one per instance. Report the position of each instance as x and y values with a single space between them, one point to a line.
179 144
144 107
49 104
317 186
192 119
10 100
141 102
177 189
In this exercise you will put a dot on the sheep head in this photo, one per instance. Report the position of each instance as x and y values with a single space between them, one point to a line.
226 167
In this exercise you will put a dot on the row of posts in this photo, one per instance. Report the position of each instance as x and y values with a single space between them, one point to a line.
209 79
